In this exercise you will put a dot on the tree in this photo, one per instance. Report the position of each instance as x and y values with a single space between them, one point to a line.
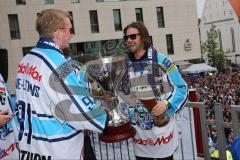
211 48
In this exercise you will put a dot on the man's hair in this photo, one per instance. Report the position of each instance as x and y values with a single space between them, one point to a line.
142 31
49 20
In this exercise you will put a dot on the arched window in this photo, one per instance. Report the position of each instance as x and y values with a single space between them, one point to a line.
233 39
220 38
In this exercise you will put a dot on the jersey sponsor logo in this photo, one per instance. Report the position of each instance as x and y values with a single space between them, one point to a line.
5 152
153 142
2 89
148 68
25 155
143 118
4 131
28 87
169 65
66 68
29 70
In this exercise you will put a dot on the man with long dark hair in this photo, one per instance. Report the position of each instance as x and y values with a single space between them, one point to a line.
161 91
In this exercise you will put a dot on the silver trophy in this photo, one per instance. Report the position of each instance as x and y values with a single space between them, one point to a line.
105 75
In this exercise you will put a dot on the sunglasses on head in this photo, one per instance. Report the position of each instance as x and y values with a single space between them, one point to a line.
131 36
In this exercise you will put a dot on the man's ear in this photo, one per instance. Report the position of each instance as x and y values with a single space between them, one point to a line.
56 34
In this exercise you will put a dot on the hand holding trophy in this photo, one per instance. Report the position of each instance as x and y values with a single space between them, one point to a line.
107 73
145 95
159 120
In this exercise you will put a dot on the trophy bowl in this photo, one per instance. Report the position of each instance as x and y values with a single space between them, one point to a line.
105 75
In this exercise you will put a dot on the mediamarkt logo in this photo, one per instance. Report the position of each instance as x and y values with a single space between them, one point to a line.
29 70
153 142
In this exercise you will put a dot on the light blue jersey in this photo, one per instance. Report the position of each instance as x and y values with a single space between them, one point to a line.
54 108
8 148
154 76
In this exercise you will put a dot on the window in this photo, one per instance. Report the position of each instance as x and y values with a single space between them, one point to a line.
170 47
117 19
220 38
48 1
94 21
4 65
139 14
72 30
160 17
233 40
207 34
75 1
103 47
14 26
20 1
25 50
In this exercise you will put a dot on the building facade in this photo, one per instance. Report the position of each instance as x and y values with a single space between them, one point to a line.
221 14
98 26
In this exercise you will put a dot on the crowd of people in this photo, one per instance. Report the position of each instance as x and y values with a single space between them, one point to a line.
221 87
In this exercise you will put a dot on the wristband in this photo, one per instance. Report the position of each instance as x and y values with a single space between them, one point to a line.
166 102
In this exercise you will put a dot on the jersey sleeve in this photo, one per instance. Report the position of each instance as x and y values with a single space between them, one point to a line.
70 100
92 117
178 96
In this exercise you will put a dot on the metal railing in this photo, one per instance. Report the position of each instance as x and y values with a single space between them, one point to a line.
220 125
112 151
124 150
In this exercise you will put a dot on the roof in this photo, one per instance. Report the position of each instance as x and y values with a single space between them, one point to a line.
236 6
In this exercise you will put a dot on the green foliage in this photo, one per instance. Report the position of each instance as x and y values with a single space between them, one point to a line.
211 48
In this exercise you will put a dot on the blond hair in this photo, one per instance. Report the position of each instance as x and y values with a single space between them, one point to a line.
49 20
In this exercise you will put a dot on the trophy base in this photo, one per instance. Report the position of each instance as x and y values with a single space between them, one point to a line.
119 133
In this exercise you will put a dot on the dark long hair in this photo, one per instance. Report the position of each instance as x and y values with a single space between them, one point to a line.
142 31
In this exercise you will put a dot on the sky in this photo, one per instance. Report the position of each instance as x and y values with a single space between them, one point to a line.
200 5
